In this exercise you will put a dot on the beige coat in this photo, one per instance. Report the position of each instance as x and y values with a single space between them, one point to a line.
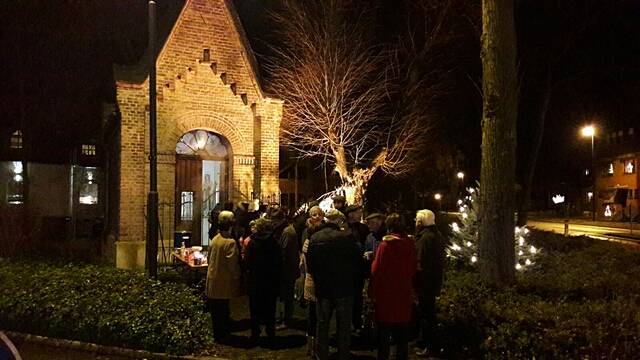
223 273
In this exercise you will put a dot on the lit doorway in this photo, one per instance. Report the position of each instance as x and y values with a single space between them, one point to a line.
202 178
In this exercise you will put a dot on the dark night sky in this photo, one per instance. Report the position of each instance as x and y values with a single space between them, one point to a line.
57 56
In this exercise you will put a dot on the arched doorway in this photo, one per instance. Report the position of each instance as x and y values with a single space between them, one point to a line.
203 176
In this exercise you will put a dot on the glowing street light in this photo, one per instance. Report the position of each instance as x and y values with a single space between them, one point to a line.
460 175
590 131
438 198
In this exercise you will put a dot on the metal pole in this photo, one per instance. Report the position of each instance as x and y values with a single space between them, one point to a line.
152 198
593 172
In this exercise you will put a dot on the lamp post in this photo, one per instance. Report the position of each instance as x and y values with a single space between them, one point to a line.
151 258
590 131
460 176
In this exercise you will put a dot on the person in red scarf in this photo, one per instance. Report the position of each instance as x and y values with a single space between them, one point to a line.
392 274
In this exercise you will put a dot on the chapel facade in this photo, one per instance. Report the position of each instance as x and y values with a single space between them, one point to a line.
217 131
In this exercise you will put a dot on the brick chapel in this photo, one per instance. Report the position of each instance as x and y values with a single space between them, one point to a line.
217 130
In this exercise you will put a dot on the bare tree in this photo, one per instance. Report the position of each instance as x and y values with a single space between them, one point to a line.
337 85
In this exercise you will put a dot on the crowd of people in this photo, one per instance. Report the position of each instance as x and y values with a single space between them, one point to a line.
368 270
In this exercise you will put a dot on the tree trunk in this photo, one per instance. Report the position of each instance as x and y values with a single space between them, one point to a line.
499 114
525 199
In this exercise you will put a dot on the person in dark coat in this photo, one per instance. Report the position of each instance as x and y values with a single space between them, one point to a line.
360 232
332 261
290 252
263 265
339 203
430 247
392 288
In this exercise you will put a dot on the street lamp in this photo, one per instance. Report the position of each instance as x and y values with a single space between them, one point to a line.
438 197
460 176
590 131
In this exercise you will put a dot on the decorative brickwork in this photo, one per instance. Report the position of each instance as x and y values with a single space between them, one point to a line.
192 94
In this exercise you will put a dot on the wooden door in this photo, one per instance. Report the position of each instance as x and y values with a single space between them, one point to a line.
189 196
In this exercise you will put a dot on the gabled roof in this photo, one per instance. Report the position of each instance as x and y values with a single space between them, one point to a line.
166 20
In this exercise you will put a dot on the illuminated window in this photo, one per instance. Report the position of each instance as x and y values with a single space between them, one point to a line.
629 167
16 140
88 194
15 185
610 169
186 205
88 150
201 142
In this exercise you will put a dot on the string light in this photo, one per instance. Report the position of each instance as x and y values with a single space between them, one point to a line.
465 236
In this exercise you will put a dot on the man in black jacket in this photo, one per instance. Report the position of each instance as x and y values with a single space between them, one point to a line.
333 258
430 250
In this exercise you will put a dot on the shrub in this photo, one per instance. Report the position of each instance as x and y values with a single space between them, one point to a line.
100 304
581 300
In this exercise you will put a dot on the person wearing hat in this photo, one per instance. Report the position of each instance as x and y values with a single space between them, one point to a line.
377 230
360 232
332 260
430 249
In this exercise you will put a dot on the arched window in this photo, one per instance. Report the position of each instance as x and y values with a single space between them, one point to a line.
201 142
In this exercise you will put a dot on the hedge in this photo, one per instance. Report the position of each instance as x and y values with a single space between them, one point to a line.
582 300
102 305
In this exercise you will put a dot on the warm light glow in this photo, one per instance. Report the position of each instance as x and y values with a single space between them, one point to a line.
518 266
474 259
17 167
558 199
17 178
533 249
607 211
629 168
455 227
590 195
610 170
588 131
437 196
460 175
521 241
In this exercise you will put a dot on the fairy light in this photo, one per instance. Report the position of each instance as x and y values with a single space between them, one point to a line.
474 259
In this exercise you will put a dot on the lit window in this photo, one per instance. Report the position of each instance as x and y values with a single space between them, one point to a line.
201 142
610 169
186 205
629 167
88 194
16 140
15 185
88 150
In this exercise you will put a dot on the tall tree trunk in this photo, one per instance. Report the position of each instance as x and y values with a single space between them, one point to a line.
525 199
499 114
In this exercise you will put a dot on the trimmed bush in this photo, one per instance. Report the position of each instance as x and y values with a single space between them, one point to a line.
582 300
102 305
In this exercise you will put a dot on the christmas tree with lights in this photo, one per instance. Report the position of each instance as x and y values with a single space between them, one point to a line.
464 239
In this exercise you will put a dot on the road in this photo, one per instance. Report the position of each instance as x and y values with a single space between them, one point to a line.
598 232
